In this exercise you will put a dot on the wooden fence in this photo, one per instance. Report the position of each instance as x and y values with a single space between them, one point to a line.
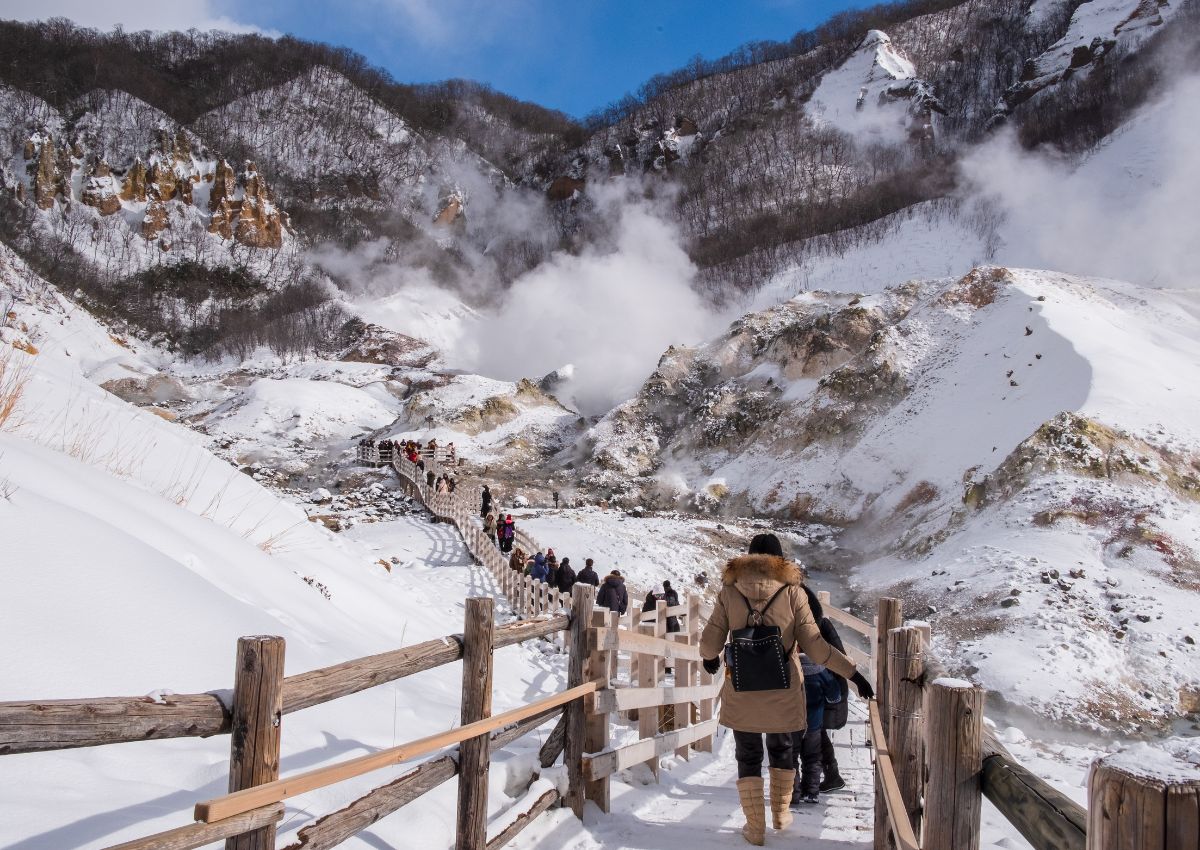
634 694
935 761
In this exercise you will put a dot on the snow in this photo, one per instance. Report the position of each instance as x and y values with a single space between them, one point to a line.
924 241
152 557
303 409
695 805
862 78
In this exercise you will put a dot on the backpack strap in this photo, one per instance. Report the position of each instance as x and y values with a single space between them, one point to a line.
754 613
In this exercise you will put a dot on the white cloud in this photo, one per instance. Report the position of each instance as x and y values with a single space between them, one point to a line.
133 15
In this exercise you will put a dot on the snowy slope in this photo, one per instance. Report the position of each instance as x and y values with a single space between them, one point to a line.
928 421
858 97
135 559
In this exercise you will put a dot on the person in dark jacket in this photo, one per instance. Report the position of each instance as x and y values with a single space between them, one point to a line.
485 501
836 711
588 574
508 533
566 576
536 568
660 593
613 594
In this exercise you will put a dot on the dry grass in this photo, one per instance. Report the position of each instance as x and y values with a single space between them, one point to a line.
14 377
922 494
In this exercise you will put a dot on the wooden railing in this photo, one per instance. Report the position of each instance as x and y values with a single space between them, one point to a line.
933 759
935 762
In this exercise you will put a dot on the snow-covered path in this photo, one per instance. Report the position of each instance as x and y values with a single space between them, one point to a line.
695 806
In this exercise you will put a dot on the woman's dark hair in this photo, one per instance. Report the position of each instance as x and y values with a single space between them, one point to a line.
766 544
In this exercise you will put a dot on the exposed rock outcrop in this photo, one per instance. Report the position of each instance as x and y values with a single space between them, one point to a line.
101 189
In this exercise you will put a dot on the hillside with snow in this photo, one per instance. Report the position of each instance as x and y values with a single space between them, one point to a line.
976 429
916 290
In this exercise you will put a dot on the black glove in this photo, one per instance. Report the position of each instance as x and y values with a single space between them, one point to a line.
712 665
864 687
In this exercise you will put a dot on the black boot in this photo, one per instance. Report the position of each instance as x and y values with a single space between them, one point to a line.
833 780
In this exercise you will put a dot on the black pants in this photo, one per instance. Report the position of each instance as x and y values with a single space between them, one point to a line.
807 747
748 747
828 757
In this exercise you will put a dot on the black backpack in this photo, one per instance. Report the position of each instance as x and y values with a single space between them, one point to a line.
755 655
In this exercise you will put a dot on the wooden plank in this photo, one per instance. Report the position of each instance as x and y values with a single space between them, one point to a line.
896 823
1046 818
682 708
575 715
623 699
282 789
676 611
255 727
199 834
648 678
540 805
847 619
339 680
644 644
954 758
28 726
474 754
608 762
860 658
888 617
333 829
554 744
601 667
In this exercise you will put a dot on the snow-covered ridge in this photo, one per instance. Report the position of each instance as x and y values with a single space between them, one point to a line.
875 94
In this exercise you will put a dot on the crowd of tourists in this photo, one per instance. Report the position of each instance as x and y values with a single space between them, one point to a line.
787 675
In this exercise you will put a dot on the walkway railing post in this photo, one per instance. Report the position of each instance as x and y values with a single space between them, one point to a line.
906 666
704 710
600 667
888 617
1135 805
256 729
578 671
474 754
954 761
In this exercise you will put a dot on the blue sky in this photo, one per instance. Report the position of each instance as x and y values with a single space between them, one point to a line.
573 55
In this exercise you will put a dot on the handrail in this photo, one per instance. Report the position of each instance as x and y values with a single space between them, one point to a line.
897 815
43 725
238 802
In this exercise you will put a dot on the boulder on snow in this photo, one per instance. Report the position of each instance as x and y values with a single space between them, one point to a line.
155 389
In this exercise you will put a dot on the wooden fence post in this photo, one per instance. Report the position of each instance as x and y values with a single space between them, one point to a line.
256 730
599 667
648 678
888 617
1135 805
954 761
704 710
683 679
583 598
474 754
906 664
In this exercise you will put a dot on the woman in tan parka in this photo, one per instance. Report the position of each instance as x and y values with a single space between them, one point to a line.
750 581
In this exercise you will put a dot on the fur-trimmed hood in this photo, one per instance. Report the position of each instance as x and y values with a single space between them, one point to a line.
771 567
757 577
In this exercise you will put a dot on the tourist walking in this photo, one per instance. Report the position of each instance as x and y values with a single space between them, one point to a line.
762 601
613 594
588 574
